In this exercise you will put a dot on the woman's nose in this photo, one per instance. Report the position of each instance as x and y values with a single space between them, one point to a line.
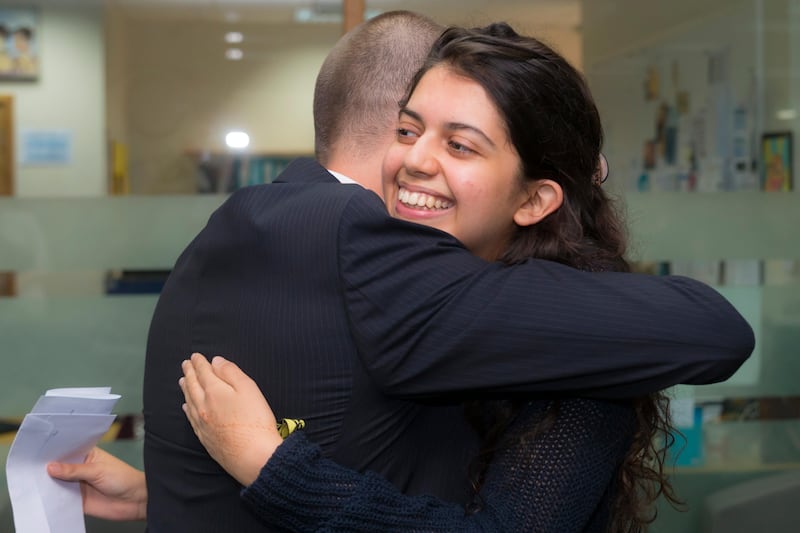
421 158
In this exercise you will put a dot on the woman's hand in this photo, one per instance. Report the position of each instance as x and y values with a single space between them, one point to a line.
111 489
229 415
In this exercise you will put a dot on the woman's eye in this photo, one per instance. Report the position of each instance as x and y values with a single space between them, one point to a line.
404 132
460 148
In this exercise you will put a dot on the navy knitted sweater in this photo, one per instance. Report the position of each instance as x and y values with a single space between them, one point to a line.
560 481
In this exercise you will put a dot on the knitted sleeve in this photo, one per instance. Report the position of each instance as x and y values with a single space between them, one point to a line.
562 480
555 481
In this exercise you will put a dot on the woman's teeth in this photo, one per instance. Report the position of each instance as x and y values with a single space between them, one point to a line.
422 200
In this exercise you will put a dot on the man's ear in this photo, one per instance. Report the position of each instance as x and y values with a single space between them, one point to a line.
543 197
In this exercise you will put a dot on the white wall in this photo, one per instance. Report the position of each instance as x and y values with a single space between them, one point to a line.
183 95
116 89
566 41
69 95
160 85
612 28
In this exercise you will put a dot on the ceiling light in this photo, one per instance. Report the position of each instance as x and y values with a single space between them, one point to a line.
237 139
786 114
234 54
323 13
234 37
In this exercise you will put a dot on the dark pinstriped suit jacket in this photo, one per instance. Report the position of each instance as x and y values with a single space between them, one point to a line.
366 327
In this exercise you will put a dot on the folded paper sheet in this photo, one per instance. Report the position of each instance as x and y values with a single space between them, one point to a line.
63 426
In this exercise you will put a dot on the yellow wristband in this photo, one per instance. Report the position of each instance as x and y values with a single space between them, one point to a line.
288 425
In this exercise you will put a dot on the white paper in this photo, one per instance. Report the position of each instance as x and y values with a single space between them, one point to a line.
63 426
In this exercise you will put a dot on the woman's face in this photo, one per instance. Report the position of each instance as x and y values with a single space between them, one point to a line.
452 165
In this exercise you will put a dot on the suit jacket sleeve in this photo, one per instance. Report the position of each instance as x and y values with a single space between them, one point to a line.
430 318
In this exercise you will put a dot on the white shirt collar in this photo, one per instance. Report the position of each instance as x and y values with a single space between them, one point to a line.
342 178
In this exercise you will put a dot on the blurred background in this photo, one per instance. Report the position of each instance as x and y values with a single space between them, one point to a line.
125 123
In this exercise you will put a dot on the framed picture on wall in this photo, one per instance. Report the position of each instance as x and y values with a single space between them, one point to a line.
776 161
6 145
8 280
19 43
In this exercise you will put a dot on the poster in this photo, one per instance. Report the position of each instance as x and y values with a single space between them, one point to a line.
776 161
19 44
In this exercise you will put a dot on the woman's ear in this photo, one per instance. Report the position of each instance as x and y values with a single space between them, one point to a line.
543 197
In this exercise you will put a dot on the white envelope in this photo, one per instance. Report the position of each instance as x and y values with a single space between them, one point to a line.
63 426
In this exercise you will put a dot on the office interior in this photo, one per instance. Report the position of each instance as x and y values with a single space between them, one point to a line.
113 154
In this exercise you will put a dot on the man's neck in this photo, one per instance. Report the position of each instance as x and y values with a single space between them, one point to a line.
365 172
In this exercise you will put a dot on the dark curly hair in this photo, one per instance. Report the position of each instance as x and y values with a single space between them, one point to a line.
554 125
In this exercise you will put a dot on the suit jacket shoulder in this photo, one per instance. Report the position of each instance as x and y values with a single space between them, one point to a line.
305 170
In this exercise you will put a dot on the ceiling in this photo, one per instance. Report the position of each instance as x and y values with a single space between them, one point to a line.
522 13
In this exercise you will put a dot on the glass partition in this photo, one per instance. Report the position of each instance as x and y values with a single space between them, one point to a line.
699 111
80 314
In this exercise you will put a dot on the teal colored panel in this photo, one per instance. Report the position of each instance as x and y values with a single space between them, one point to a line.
148 232
774 367
133 232
693 489
732 452
71 342
748 301
724 225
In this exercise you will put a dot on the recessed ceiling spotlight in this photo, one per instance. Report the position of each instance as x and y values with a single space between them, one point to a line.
325 14
234 37
237 139
234 54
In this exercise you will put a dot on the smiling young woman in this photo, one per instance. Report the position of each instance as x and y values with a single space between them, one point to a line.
454 167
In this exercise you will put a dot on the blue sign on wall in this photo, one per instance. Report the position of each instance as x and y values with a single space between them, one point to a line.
46 147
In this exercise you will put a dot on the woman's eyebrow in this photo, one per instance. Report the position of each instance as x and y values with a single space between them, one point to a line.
413 114
450 125
462 126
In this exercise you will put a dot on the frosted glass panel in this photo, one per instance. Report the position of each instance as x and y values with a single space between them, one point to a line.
774 367
141 232
147 232
68 342
733 453
748 301
725 225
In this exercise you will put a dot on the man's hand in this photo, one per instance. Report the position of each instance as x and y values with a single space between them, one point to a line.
111 489
229 415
